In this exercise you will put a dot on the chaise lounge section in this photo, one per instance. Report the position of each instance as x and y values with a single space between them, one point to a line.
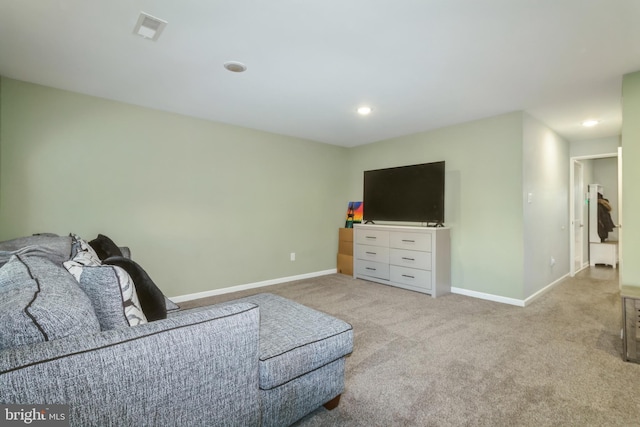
302 358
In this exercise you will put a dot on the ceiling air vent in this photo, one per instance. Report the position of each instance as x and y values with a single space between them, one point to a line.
149 27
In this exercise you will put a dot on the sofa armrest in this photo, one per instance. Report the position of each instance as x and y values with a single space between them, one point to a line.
199 368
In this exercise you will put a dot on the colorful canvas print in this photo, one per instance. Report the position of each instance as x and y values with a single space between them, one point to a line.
354 214
358 209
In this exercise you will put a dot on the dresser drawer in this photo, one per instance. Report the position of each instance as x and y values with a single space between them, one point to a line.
412 259
411 241
372 237
373 253
373 269
411 277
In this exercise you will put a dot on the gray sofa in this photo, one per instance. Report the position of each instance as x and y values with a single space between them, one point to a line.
260 360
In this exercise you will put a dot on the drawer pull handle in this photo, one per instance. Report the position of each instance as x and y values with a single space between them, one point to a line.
408 241
408 259
370 253
410 277
370 268
370 237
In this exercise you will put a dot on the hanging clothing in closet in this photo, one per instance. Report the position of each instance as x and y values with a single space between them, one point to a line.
605 222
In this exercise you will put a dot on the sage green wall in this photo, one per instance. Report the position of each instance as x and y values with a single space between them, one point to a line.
202 205
483 195
545 171
0 132
206 206
594 147
630 269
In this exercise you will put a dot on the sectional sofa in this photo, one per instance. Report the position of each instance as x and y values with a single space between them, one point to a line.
83 325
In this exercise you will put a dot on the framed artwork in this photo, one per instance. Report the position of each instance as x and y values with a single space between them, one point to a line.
354 214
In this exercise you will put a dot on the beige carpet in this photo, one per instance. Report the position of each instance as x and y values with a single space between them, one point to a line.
456 360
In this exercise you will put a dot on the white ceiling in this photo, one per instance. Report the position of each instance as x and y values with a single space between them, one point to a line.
420 64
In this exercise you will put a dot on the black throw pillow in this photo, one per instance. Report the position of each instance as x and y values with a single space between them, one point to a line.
151 297
105 247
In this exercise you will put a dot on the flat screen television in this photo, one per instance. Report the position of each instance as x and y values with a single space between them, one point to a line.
412 193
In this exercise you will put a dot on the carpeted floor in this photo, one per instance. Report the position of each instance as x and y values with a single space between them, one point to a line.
456 360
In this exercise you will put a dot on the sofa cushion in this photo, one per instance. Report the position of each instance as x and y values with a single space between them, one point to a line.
52 247
40 301
295 339
105 247
152 299
113 296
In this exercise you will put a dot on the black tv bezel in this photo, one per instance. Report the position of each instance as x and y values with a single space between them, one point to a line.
397 216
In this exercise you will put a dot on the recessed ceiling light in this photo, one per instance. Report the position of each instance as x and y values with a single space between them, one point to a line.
235 67
363 111
590 123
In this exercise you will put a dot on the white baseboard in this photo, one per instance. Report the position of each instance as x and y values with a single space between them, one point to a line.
197 295
585 265
543 290
488 297
505 300
454 290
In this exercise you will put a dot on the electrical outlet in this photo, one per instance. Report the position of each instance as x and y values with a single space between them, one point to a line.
552 262
293 256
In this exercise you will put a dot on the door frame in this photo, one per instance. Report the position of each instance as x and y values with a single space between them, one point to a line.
573 251
572 196
620 217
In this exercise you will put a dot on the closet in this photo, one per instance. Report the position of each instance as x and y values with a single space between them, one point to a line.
601 225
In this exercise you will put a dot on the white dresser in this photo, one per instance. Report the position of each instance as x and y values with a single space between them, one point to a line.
415 258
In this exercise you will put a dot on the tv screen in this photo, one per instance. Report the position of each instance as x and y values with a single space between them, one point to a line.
412 193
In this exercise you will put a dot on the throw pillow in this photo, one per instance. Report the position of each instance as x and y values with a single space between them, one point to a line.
105 247
40 301
113 296
82 254
151 297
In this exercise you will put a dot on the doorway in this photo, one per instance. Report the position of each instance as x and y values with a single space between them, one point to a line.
581 174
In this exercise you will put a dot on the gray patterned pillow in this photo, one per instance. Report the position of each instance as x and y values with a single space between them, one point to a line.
110 289
40 301
113 295
82 254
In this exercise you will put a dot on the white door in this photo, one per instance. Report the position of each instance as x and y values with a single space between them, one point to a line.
578 217
620 258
